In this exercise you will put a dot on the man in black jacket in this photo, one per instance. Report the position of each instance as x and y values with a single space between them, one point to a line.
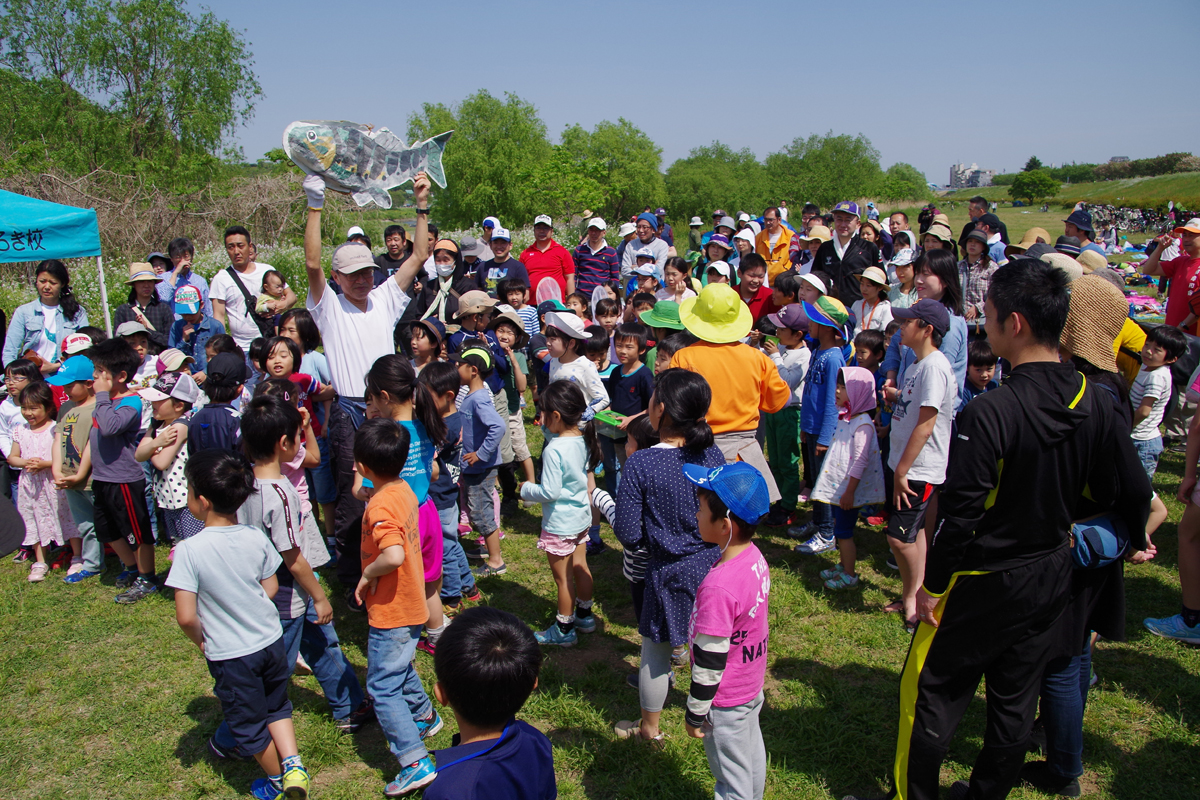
998 573
846 255
976 208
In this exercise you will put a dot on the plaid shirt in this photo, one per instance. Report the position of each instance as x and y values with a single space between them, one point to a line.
975 281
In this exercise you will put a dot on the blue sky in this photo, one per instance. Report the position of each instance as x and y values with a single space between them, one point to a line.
932 82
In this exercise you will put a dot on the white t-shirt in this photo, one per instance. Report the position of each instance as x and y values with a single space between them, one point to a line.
48 343
666 294
928 382
1154 383
354 339
237 321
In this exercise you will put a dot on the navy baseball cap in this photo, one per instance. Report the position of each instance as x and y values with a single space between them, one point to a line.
931 312
740 486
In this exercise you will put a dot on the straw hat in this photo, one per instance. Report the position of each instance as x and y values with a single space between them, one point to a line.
717 314
508 314
1031 237
818 232
141 271
1072 268
1090 260
1095 316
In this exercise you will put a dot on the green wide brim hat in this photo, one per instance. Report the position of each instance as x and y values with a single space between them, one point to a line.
665 314
716 315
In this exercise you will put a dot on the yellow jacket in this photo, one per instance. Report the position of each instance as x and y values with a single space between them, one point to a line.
777 258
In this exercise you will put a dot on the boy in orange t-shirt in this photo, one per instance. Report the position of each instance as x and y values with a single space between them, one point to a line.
392 588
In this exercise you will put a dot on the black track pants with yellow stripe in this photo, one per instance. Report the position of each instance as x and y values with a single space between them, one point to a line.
995 625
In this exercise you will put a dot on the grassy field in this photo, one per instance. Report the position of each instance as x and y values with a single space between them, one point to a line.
1183 188
109 701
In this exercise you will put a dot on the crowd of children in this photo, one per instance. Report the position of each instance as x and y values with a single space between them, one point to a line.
224 454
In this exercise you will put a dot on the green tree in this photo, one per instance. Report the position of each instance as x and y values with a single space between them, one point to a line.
562 184
1033 186
1033 163
629 163
493 140
825 169
714 177
903 182
178 83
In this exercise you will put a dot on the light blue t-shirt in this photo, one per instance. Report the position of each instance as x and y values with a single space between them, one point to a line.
223 567
563 491
418 469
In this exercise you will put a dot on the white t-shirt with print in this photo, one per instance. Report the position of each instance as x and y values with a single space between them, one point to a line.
1154 383
928 382
239 325
355 339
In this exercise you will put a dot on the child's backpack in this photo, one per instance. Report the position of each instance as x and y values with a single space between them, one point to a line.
1098 541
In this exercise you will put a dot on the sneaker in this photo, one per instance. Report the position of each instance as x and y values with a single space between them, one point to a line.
450 612
554 635
679 655
832 572
430 726
816 544
802 531
585 624
356 719
596 548
778 517
37 573
634 679
842 581
411 778
426 646
1039 775
76 566
223 753
141 589
353 604
1173 628
296 783
891 561
22 556
487 570
126 577
475 596
263 789
876 520
80 576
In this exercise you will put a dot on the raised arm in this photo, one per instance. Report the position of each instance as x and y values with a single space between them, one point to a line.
314 188
408 270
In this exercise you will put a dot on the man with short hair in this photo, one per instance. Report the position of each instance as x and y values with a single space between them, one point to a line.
1183 272
773 243
898 222
998 574
752 288
595 262
235 290
783 210
1079 225
502 265
976 208
665 231
646 229
395 239
846 255
990 224
810 211
356 329
546 258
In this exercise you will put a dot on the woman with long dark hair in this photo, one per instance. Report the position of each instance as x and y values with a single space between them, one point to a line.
42 325
936 278
145 306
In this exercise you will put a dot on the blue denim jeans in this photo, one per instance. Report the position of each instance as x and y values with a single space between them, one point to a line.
612 464
457 578
1148 451
319 643
394 685
1064 698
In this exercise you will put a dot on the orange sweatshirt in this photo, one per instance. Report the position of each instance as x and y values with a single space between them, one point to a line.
743 381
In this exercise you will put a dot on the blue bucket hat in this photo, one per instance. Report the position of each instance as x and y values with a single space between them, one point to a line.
740 486
1082 220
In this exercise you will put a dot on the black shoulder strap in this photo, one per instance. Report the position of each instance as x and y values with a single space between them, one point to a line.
245 292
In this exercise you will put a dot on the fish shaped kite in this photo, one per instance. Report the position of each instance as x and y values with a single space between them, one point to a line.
364 162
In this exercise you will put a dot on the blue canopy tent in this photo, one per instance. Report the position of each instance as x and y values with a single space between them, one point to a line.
34 230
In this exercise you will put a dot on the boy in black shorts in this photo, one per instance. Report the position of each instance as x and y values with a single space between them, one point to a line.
118 482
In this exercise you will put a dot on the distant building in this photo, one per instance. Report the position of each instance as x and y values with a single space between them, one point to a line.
964 177
1118 159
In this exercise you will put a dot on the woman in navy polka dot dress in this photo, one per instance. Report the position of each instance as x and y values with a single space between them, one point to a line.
656 509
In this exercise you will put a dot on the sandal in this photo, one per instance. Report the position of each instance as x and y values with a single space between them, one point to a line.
832 572
910 626
628 729
894 607
842 581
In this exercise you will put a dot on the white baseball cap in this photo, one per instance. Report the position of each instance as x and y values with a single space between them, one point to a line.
355 231
649 270
719 266
596 222
501 233
568 323
543 219
626 229
743 217
494 223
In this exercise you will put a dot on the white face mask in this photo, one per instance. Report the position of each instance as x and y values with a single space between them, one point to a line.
444 270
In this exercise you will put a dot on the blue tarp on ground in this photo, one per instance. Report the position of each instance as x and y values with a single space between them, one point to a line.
34 230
